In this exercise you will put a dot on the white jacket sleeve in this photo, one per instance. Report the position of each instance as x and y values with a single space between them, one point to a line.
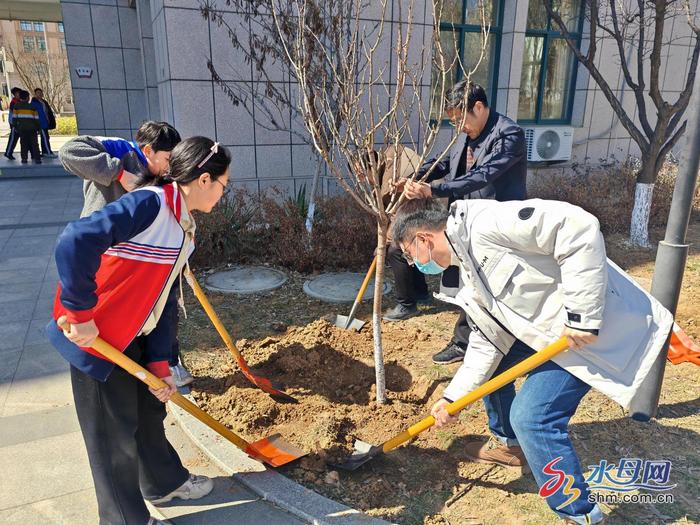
480 362
571 236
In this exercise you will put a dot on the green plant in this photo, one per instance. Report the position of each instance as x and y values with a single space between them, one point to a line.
65 126
297 204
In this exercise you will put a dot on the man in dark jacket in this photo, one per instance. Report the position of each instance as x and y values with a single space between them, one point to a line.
488 161
47 121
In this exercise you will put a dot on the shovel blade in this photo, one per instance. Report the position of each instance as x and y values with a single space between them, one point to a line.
269 387
341 321
274 451
363 453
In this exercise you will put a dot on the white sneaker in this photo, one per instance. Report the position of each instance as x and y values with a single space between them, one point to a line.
194 488
181 376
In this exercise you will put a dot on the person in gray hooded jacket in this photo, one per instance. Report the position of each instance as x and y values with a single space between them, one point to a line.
98 161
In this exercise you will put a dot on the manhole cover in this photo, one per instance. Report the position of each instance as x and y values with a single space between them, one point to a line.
340 287
246 279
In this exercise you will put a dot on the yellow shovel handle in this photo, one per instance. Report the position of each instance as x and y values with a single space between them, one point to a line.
139 372
209 309
368 278
487 388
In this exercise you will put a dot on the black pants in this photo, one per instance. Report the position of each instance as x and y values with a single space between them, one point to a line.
174 320
29 143
130 457
460 336
408 280
45 142
12 141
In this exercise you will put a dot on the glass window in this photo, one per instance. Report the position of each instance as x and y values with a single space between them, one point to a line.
25 26
63 46
28 43
39 27
41 43
60 27
460 36
549 66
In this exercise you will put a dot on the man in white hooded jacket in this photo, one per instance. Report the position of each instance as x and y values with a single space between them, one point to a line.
535 271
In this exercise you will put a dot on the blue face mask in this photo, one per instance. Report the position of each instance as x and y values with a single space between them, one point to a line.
429 268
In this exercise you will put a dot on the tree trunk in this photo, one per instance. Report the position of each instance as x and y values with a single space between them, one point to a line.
382 230
312 197
644 189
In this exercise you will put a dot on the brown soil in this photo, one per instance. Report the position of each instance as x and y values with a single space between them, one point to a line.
291 340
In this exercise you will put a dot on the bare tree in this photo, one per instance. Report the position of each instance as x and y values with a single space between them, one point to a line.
643 26
50 72
267 98
353 101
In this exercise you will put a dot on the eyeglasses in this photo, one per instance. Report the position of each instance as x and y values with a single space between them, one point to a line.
407 256
227 190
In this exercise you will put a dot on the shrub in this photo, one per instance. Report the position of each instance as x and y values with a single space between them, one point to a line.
226 234
608 193
270 228
65 126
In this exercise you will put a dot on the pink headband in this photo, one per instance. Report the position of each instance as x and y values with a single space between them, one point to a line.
214 149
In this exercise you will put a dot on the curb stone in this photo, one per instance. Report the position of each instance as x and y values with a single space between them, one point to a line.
273 487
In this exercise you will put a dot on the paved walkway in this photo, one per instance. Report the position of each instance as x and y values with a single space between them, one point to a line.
43 464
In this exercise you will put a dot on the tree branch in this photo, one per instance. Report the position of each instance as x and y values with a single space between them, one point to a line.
588 62
668 146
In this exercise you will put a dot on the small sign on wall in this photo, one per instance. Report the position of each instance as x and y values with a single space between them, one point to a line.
84 72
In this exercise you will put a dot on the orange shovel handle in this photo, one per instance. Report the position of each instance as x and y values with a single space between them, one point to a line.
209 309
487 388
368 278
139 372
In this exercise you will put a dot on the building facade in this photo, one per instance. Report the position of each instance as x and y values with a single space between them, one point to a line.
40 46
133 60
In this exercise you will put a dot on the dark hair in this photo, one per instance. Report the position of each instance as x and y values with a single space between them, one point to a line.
15 90
365 159
454 99
185 160
161 136
417 214
38 89
23 95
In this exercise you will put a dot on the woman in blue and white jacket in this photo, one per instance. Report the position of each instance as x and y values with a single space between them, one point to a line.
116 269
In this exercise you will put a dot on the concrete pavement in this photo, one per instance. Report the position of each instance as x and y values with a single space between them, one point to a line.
45 473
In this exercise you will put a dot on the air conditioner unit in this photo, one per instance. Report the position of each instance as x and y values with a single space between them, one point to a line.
549 143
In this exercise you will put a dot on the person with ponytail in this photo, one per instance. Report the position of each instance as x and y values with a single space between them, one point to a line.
116 270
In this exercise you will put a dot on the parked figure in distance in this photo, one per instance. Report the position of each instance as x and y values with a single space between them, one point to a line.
47 120
25 119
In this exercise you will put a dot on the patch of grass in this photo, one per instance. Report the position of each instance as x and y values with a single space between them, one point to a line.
445 436
65 126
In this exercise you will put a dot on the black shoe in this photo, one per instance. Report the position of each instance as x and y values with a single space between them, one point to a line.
24 161
424 299
452 353
8 157
37 161
400 312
